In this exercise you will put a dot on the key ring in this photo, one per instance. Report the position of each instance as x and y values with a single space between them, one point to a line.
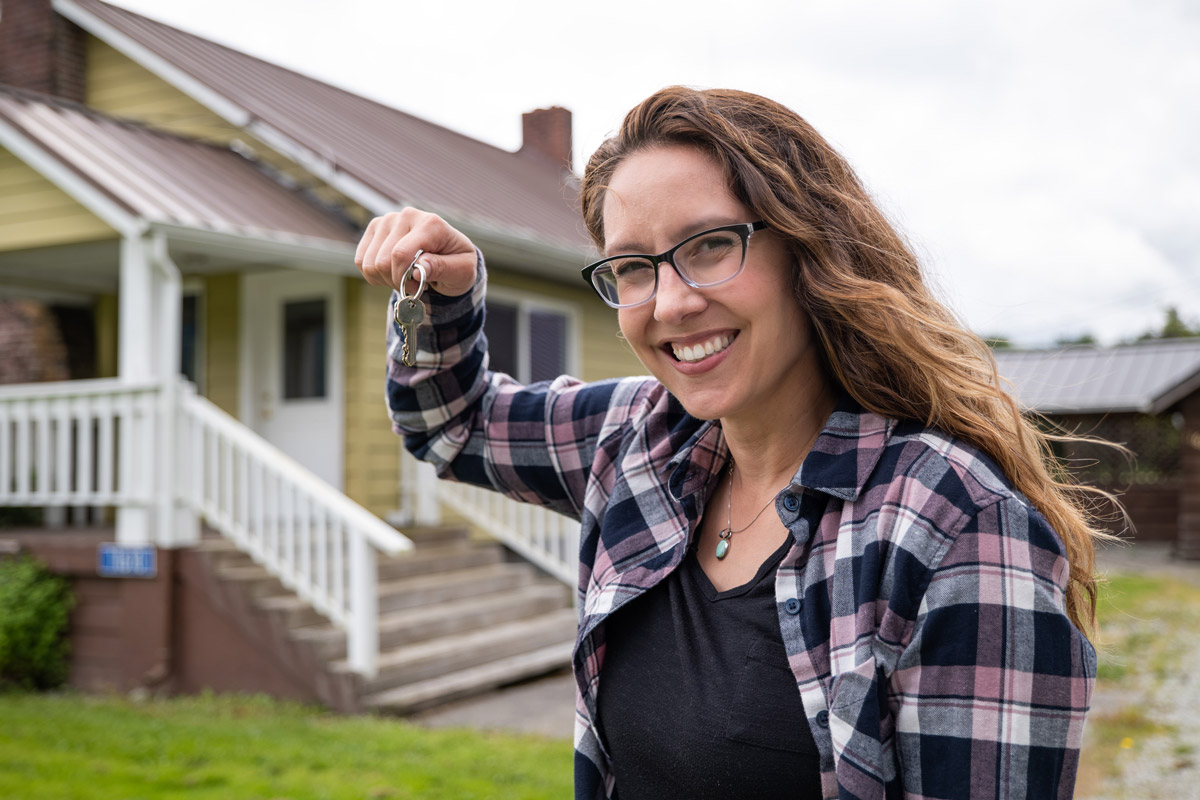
420 268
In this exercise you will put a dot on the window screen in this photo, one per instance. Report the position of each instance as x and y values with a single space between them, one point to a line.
547 345
500 325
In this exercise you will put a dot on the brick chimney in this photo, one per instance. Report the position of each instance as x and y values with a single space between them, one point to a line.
40 50
546 132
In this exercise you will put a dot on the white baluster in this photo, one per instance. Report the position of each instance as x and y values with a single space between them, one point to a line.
363 630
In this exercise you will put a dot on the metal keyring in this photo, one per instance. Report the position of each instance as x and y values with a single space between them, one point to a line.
420 268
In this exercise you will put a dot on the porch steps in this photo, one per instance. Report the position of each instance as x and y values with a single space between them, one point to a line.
456 618
472 681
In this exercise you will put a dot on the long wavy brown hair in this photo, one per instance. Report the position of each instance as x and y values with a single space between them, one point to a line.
886 338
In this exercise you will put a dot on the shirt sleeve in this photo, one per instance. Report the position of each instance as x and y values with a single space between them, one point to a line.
533 443
994 684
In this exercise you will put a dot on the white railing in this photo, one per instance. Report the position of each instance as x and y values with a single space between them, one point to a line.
96 443
78 444
314 539
544 537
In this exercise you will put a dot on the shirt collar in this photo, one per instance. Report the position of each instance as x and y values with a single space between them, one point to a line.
840 462
847 451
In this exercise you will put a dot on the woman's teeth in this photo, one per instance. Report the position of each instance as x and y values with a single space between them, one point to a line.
702 350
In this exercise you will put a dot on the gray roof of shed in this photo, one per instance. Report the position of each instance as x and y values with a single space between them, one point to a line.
1146 377
397 155
163 178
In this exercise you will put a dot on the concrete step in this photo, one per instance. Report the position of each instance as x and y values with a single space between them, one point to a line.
414 592
442 558
447 654
256 581
434 535
471 681
412 625
423 590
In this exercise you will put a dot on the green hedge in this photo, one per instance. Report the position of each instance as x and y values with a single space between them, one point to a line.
34 607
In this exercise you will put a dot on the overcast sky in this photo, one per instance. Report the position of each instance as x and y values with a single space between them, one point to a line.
1041 155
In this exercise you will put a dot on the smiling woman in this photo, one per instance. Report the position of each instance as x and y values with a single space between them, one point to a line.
908 621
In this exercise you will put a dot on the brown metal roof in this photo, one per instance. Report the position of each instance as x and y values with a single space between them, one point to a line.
402 157
167 179
1148 376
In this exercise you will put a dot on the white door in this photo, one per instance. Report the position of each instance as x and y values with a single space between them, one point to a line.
292 370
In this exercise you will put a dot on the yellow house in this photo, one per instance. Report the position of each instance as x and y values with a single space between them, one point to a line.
193 210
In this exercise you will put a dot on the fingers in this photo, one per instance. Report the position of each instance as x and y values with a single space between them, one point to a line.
390 243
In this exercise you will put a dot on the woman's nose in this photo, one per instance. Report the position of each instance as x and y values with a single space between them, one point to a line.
675 300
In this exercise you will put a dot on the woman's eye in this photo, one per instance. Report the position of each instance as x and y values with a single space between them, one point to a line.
714 243
633 269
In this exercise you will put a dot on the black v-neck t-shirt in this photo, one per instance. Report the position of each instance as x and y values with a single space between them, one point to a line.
696 699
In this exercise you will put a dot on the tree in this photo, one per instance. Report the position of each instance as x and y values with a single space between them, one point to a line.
1079 339
1174 327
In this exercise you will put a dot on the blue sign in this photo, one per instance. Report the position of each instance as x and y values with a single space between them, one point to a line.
127 561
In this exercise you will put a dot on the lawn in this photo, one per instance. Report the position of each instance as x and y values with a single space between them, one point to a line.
1141 618
77 747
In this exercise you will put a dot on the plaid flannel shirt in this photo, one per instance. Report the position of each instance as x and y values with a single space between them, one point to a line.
921 604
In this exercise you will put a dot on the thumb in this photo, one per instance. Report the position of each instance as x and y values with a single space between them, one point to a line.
449 275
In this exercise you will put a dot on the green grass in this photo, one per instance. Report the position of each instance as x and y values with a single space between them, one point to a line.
245 748
1139 616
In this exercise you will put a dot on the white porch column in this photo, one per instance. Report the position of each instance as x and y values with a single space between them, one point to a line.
135 362
176 524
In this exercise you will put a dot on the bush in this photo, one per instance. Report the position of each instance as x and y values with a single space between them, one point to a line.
34 606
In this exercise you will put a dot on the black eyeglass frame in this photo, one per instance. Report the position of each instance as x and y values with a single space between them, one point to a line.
744 229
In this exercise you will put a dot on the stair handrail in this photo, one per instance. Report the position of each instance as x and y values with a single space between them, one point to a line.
546 538
315 540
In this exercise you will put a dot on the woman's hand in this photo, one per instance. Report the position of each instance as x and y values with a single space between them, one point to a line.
391 241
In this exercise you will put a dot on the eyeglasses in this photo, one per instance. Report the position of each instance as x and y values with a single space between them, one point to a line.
705 259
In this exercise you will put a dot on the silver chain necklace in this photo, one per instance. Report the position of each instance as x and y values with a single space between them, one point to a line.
725 536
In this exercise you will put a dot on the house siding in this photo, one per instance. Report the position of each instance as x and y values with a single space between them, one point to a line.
119 86
36 213
222 377
372 459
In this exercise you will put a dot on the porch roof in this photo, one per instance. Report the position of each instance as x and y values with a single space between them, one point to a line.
165 179
387 158
1147 377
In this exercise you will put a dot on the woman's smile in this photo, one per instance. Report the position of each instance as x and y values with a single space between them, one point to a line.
697 350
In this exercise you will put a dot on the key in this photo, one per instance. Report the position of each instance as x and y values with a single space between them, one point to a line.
409 314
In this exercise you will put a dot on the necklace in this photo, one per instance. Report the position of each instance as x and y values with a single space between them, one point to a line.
726 536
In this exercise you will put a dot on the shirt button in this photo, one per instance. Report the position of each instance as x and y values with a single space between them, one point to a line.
823 719
791 606
791 502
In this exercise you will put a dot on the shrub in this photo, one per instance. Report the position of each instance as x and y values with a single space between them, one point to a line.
34 606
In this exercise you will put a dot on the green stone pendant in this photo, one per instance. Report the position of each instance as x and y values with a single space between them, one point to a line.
723 545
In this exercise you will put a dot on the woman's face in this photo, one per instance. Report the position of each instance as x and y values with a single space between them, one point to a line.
764 357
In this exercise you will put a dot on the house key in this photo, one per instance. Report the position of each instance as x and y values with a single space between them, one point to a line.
410 312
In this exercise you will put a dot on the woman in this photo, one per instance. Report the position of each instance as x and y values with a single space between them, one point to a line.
822 553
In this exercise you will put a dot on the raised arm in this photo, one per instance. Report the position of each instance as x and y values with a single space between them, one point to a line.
533 443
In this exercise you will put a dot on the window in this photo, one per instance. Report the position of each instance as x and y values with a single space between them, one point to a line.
191 334
304 337
531 339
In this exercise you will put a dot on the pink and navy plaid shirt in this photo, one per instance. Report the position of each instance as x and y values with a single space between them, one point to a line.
921 603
